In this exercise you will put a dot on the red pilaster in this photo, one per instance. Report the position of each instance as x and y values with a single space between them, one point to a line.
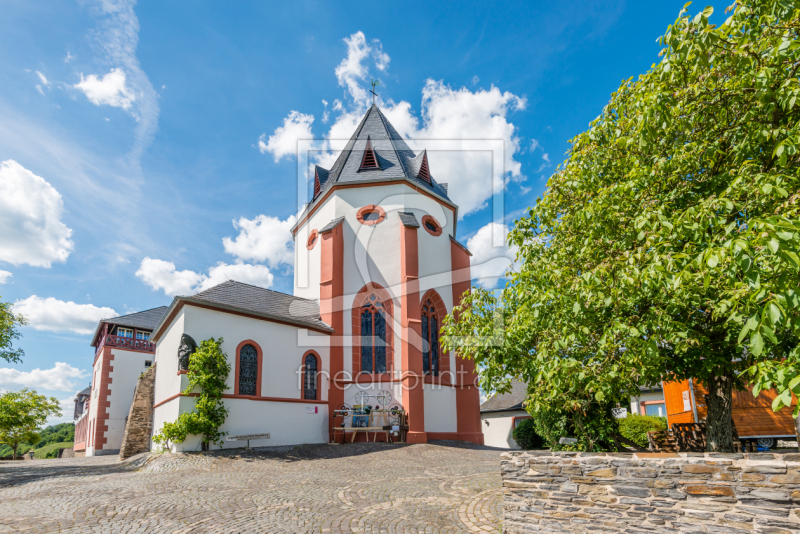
411 326
331 293
468 398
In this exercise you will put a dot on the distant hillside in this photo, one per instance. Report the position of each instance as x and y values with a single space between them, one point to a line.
53 437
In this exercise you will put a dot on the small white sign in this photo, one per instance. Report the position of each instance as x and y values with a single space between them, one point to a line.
247 437
311 409
395 428
687 405
619 413
567 441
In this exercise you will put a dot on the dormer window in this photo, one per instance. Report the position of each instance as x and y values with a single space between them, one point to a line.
369 161
145 336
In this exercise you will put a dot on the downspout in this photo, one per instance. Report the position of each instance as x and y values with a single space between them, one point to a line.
694 401
666 412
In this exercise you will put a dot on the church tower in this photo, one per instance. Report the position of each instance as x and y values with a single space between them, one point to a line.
377 247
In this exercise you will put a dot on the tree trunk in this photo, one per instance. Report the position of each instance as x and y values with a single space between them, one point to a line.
719 423
203 446
16 445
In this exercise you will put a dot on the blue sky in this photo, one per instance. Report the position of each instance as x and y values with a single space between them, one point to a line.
147 148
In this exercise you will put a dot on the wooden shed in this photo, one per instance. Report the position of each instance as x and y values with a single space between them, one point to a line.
753 416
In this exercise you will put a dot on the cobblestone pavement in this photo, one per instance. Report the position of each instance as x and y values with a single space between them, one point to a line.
363 487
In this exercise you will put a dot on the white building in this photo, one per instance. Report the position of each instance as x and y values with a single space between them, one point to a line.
650 402
123 351
501 414
377 268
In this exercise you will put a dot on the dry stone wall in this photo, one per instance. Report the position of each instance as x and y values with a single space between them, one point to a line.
564 492
140 417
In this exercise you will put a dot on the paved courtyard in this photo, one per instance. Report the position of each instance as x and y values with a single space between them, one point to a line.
371 488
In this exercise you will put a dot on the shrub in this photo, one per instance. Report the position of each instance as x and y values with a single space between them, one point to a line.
526 437
635 427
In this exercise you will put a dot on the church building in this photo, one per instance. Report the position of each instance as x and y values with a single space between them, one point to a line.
377 268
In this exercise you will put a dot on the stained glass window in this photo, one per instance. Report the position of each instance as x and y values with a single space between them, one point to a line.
310 378
430 339
373 337
248 370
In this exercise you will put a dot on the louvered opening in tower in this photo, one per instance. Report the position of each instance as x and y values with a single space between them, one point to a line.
317 186
423 169
369 161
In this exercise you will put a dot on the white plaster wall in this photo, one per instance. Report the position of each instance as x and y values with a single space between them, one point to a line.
288 423
440 408
308 262
395 388
126 368
282 355
167 413
168 382
498 431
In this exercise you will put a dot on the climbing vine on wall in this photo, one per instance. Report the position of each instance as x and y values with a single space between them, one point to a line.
208 372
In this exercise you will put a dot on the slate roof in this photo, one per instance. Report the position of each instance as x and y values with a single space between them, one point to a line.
236 296
507 401
396 160
408 219
146 320
331 225
88 390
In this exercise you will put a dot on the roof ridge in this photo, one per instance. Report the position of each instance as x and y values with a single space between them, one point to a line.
396 153
253 286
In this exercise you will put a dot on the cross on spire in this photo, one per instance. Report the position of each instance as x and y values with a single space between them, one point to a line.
374 83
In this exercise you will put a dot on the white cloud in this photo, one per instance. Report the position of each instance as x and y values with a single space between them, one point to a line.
489 261
69 57
108 90
4 276
263 239
284 141
257 275
160 274
545 162
43 79
475 80
449 122
118 36
58 316
352 70
534 145
31 231
61 377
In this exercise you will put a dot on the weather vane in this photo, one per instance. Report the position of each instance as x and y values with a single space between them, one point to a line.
374 84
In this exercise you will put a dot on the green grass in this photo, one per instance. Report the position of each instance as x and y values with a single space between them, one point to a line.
52 447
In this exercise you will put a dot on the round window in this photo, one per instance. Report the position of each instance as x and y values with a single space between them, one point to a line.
431 225
371 215
312 239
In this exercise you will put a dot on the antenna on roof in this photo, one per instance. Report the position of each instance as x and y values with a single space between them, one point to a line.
374 84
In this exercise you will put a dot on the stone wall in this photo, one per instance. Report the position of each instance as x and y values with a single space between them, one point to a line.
644 493
140 417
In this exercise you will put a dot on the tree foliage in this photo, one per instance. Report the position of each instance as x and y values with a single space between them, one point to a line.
9 321
667 244
208 372
525 435
21 415
635 427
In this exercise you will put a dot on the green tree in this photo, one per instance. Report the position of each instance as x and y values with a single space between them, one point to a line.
9 321
667 244
21 415
208 371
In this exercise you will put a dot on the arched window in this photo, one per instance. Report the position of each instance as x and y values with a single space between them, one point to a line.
373 336
430 338
248 370
310 383
372 331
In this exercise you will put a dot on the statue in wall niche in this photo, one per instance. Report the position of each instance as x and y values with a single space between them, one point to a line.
186 349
